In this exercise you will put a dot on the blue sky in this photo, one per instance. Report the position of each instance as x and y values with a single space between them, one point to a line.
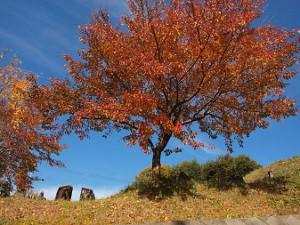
40 32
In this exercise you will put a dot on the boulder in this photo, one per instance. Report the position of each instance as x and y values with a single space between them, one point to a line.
64 193
87 194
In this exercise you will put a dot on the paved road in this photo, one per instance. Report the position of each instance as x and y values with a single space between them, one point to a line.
272 220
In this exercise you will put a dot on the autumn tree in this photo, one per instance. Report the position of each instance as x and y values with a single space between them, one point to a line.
174 68
27 136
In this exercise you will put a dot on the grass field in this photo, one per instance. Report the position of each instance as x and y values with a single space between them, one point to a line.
129 208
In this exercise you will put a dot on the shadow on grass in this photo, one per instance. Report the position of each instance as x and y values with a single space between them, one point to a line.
275 185
164 187
272 185
178 222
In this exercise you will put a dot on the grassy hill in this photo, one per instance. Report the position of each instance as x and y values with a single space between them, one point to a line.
129 208
287 169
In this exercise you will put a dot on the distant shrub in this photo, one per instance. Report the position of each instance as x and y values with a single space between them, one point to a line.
244 165
183 182
170 182
219 173
165 171
147 186
191 168
227 171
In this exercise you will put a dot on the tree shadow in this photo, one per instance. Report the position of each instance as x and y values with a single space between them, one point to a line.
163 187
178 222
244 190
275 185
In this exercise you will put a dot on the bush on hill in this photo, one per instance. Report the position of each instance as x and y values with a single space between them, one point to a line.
223 173
227 172
171 181
191 168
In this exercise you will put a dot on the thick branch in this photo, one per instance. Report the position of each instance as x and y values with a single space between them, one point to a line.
157 44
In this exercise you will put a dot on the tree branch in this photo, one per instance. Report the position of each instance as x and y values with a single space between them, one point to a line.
131 127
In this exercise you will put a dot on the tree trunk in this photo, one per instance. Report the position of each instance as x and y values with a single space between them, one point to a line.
156 163
157 154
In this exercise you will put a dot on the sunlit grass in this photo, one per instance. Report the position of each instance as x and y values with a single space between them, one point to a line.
129 208
126 208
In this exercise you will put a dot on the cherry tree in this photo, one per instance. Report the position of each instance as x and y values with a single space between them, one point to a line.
174 69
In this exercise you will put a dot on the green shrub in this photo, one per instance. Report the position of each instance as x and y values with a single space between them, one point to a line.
223 173
218 173
151 187
170 182
165 171
227 172
183 182
244 165
191 168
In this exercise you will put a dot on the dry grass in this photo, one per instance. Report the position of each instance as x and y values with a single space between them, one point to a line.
128 208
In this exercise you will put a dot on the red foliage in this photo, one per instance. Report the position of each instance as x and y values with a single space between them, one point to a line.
24 142
176 63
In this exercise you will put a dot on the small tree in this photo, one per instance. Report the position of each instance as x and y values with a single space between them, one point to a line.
174 64
24 142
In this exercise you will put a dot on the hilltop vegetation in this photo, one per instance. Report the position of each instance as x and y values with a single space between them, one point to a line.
129 207
224 173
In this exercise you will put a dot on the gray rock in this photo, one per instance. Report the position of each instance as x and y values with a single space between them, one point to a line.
64 193
87 194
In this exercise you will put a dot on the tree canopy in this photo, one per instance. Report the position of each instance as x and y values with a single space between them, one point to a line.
24 139
177 68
